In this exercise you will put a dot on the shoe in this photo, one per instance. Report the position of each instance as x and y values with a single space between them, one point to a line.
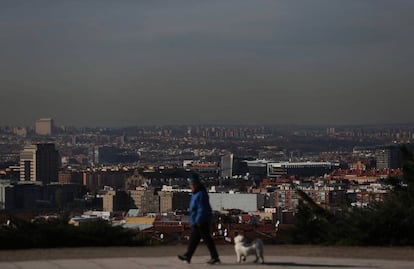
214 261
184 258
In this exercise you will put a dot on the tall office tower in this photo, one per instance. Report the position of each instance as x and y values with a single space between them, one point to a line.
93 155
28 163
44 127
389 158
39 163
226 166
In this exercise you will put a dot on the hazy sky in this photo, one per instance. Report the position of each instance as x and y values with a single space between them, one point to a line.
218 61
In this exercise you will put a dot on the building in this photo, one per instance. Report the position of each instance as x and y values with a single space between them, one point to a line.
300 168
330 131
25 196
226 166
28 163
97 180
145 199
44 126
110 155
286 199
388 158
204 169
166 201
39 163
5 195
20 131
29 196
246 202
136 180
260 169
362 198
181 201
64 177
59 196
115 201
257 169
93 155
47 163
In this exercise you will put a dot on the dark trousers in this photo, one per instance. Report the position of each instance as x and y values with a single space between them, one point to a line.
198 232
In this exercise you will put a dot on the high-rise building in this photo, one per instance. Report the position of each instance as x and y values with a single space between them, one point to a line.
39 163
226 166
115 201
93 155
28 163
166 201
145 199
388 158
44 126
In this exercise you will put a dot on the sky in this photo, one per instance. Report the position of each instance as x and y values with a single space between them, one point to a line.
140 62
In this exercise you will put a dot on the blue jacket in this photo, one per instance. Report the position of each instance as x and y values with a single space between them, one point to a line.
200 209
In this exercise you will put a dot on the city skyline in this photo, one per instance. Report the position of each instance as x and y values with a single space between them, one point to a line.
218 62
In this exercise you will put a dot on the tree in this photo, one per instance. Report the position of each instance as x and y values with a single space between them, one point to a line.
390 222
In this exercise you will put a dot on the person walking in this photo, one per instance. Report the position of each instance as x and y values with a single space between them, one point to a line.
200 219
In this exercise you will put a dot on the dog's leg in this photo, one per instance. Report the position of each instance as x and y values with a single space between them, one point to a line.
261 256
238 257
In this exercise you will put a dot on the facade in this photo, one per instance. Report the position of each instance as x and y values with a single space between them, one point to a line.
181 201
300 168
246 202
226 166
204 169
388 158
93 155
136 180
47 163
64 177
145 199
25 196
97 180
166 201
257 169
39 163
28 163
5 195
110 155
108 201
44 126
115 201
365 197
286 199
263 168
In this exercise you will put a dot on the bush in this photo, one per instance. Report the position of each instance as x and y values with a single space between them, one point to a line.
61 234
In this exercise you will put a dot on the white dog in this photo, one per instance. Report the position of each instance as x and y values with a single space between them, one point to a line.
243 249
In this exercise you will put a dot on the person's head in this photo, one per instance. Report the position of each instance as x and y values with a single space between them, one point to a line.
194 182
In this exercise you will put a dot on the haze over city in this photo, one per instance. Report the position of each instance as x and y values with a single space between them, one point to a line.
195 62
151 133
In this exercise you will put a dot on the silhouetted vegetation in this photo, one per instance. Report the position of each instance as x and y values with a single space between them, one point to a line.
22 234
390 222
